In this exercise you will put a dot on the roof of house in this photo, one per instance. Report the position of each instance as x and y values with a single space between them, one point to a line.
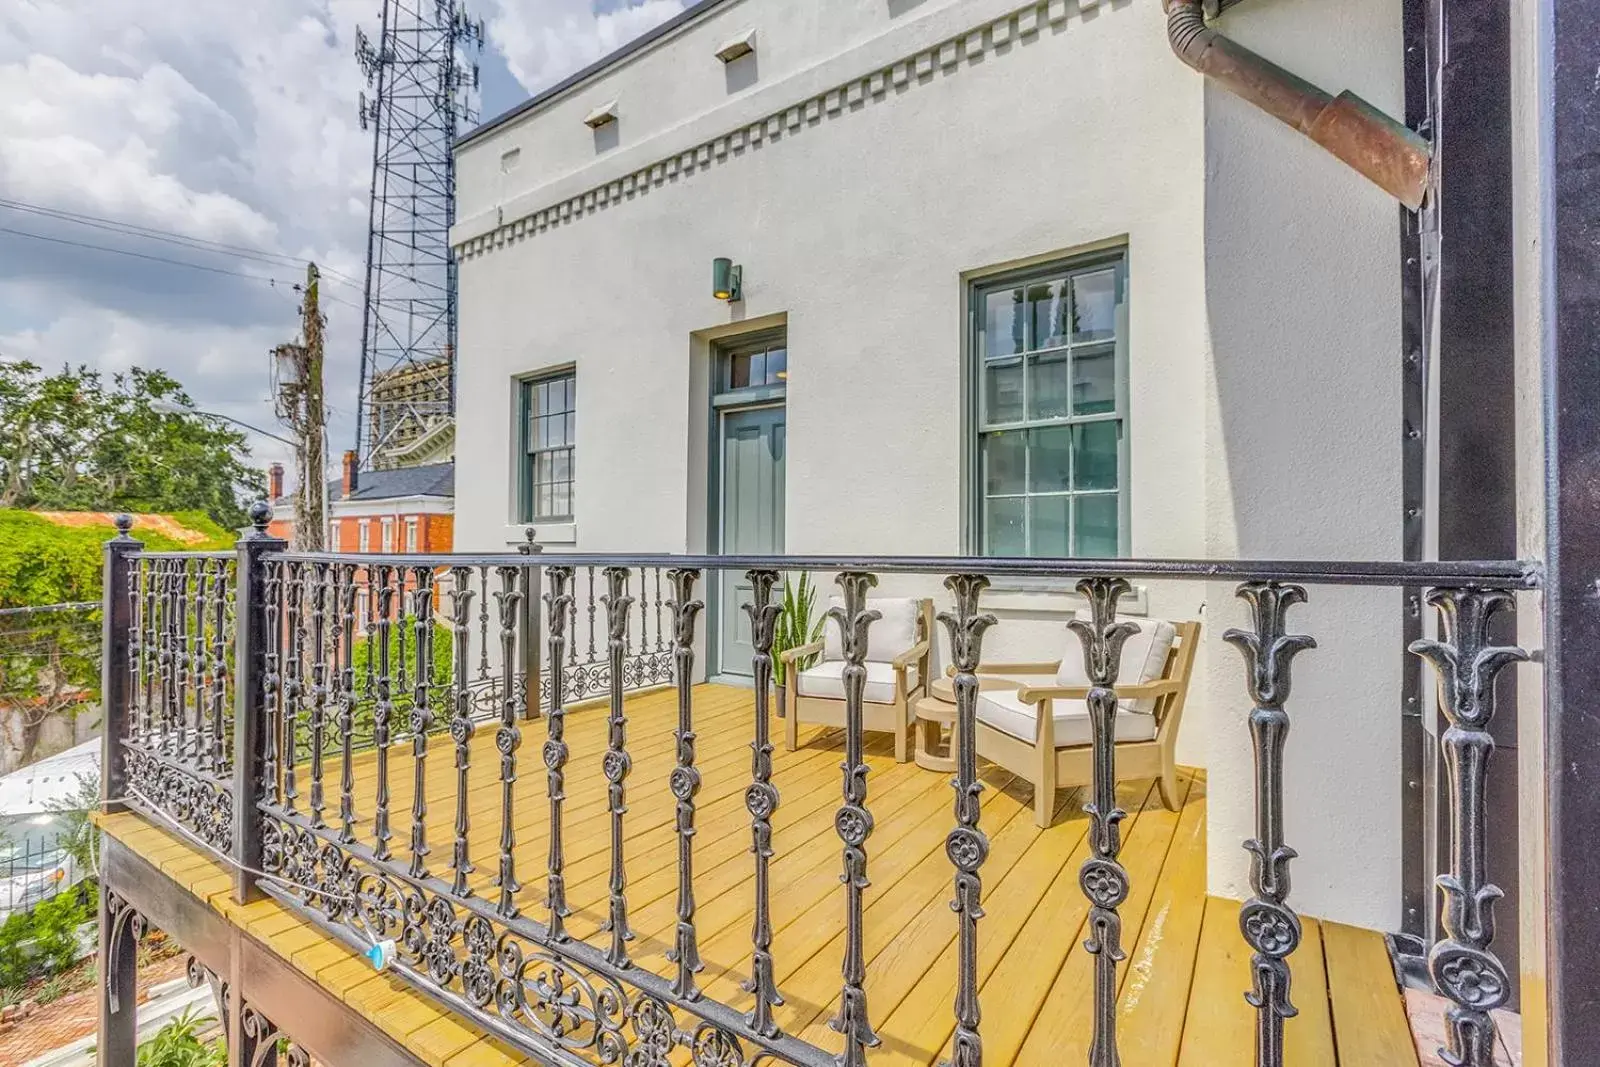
435 479
693 11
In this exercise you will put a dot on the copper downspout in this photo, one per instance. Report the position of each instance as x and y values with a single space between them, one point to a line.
1393 157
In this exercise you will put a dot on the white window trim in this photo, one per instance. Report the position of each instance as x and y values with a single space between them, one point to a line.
386 534
411 534
333 536
364 536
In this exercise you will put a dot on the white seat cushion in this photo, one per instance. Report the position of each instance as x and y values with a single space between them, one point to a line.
1004 712
826 680
887 638
1144 659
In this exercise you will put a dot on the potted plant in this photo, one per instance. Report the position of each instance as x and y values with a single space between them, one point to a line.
795 627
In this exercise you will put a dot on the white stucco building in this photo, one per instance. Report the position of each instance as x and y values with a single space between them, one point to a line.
916 192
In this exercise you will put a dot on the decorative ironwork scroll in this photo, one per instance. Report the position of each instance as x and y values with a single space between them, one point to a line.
1462 965
382 711
761 800
559 603
1102 877
615 764
271 682
685 780
967 845
123 920
853 822
1269 925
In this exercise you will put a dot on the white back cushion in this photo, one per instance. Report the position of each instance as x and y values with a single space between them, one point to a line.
887 638
1144 658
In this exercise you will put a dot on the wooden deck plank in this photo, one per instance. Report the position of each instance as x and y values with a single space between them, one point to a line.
1368 1014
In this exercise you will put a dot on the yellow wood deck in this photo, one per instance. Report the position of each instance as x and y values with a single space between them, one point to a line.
1181 999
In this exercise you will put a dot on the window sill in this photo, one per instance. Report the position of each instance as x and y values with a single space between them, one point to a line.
1045 596
564 534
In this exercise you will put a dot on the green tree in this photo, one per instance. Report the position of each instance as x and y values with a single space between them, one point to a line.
78 441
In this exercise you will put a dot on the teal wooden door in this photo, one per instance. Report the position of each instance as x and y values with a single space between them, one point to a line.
750 519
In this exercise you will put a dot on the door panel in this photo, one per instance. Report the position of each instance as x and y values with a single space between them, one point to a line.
750 516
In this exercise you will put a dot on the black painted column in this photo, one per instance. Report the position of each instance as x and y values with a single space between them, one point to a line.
117 1038
1568 113
250 710
116 687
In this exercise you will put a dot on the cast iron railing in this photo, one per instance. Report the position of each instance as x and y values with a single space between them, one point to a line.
335 857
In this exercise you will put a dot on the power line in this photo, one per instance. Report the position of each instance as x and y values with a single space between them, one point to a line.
152 233
143 255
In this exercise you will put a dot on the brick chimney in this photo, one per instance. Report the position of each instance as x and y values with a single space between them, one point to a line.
275 482
352 475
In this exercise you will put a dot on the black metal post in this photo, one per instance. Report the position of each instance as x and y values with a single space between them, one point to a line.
116 687
1568 116
250 719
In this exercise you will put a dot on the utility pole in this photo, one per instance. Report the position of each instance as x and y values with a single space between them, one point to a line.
299 402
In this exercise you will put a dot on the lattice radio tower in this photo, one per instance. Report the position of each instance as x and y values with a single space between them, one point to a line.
423 77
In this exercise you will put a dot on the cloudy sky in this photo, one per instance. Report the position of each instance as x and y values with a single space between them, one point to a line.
220 122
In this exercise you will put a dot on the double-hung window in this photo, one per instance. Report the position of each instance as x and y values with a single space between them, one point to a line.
333 536
549 434
411 535
386 528
1050 411
364 536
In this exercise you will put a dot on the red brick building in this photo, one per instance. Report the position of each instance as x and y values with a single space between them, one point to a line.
405 510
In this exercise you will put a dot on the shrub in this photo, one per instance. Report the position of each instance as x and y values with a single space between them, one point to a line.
178 1044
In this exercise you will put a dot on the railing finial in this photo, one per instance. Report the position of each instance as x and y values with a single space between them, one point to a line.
260 515
124 523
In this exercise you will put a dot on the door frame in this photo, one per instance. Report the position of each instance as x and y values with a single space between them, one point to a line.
722 403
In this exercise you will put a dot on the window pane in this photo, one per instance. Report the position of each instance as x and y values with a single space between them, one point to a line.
1097 525
1094 380
1004 462
1048 392
542 391
1002 527
1094 306
1003 318
1050 459
758 368
777 365
561 499
1048 525
1002 392
1095 455
1047 304
738 372
572 392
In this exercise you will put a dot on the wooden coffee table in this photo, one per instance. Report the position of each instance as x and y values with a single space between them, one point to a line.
936 712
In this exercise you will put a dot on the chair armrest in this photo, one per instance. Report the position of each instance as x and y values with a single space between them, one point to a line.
811 648
910 656
1017 668
1033 694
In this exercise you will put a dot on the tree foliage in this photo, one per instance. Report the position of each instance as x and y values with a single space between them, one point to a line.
78 441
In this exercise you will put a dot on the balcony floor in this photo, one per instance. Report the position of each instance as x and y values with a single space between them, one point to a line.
1181 998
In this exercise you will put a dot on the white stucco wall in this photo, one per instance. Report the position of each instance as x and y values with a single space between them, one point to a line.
885 154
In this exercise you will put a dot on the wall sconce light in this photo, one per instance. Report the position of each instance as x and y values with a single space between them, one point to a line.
727 278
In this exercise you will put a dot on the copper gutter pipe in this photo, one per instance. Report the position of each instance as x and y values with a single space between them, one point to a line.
1390 155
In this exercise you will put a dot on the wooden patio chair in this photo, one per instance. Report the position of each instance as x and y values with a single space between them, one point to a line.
897 673
1040 731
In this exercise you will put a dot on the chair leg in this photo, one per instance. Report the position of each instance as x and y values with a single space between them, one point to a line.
791 730
1167 784
902 750
1044 792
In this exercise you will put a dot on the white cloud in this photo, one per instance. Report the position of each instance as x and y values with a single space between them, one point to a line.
545 40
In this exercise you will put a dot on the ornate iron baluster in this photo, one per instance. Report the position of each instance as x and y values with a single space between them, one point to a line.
148 642
421 715
615 764
761 800
271 680
572 623
382 709
319 684
967 845
370 683
135 654
558 603
219 666
591 614
1269 925
347 702
685 781
169 691
854 820
293 688
183 656
1102 877
508 738
1462 965
483 624
461 726
660 642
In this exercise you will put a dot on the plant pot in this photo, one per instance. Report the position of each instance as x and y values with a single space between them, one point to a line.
782 693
